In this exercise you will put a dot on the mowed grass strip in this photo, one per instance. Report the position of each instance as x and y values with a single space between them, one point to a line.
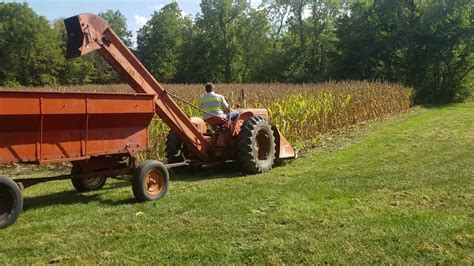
400 191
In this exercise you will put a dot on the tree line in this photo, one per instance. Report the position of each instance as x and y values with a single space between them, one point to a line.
427 44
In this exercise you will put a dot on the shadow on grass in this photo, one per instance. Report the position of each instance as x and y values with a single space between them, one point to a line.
192 174
70 197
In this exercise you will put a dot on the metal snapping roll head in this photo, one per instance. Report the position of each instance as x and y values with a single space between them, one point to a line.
84 34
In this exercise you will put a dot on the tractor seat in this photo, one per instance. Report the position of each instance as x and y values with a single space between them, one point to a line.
216 121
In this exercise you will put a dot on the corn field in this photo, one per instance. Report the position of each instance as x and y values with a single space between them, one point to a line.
300 111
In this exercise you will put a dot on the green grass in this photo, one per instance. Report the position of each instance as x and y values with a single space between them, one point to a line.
398 191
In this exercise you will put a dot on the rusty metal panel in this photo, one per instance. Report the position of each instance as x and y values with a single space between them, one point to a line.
10 104
117 106
64 105
18 137
56 127
61 136
13 151
124 133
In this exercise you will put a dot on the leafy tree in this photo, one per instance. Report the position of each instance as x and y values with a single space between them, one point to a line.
439 56
197 65
160 41
255 45
118 23
424 44
468 82
104 73
357 32
219 24
79 70
29 49
280 54
278 12
322 43
294 42
304 49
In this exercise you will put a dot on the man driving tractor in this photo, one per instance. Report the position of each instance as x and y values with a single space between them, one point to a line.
215 105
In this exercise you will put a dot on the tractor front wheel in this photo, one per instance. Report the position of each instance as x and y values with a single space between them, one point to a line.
11 202
150 181
86 184
256 146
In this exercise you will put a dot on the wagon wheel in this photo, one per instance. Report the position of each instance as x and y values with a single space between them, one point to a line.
11 202
150 181
256 146
86 183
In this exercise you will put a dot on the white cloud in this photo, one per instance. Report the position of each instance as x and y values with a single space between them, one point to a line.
140 21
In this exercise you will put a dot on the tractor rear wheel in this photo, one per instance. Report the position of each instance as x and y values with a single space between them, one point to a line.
256 146
150 181
11 202
174 148
86 184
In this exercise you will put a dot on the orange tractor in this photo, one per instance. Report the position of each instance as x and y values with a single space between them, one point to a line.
250 139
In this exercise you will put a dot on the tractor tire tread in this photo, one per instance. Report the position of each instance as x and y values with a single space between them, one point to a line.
247 159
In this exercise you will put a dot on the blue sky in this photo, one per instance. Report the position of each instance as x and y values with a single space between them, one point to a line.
137 12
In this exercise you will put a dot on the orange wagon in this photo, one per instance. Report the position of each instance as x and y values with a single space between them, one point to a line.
99 134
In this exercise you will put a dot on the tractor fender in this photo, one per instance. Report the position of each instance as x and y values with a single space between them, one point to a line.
239 122
245 114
